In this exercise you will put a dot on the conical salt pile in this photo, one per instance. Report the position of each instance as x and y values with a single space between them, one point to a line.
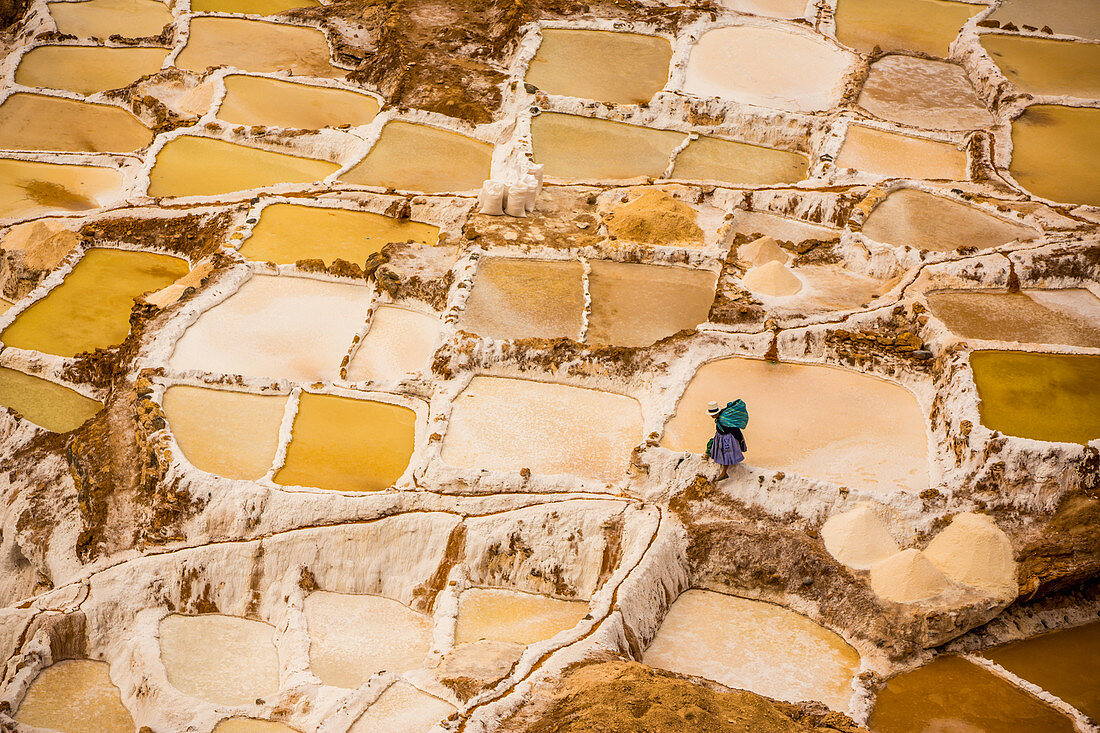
858 538
761 251
973 550
906 577
772 279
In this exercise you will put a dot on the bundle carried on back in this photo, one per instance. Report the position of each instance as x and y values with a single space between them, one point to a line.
734 415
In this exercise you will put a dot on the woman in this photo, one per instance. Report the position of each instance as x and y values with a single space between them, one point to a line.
728 444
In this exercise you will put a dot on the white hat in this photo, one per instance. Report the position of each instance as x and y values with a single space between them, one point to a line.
713 408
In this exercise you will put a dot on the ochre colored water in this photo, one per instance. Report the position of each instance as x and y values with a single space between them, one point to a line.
524 298
231 434
756 646
39 122
90 309
353 637
199 166
251 725
287 233
769 67
415 157
1056 153
256 45
1042 66
224 660
346 444
901 25
635 305
923 93
575 147
258 100
832 437
1069 17
924 221
1019 317
510 424
900 156
513 616
48 405
712 159
402 709
1041 396
75 696
625 68
104 18
30 188
1065 663
250 7
399 341
951 694
87 69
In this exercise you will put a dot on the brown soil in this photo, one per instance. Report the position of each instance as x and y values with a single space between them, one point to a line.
654 218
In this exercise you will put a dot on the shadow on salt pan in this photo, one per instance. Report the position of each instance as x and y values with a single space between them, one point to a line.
75 696
250 7
221 659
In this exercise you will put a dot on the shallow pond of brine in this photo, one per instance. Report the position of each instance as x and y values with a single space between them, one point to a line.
75 696
258 100
87 69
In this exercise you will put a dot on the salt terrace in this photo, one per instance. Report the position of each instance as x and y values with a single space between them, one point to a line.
356 361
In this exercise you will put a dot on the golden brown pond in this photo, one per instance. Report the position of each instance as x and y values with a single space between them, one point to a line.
1067 17
1042 66
1070 317
256 45
39 122
87 69
575 147
626 68
28 187
250 7
900 156
258 100
104 18
927 26
420 158
729 161
501 306
47 405
1056 153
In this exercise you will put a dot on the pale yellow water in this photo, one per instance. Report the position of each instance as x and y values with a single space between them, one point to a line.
402 709
87 69
901 25
287 233
415 157
1019 317
256 45
900 156
510 424
1041 396
1056 153
346 444
257 100
768 8
250 7
400 341
635 305
1042 66
923 93
832 435
756 646
29 188
712 159
48 405
75 696
231 434
221 659
1069 17
90 309
951 694
199 166
626 68
497 614
353 637
1065 663
779 227
104 18
575 147
525 298
39 122
922 220
251 725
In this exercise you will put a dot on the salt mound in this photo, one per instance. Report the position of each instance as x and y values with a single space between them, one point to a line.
655 218
974 551
858 538
762 251
907 576
772 279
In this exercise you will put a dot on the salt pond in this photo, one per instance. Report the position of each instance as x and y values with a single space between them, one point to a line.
729 161
1042 66
900 156
259 100
250 7
402 709
29 188
255 45
925 221
415 157
575 147
497 614
196 651
40 122
525 298
926 26
1068 17
831 437
353 637
287 233
1070 317
231 434
346 444
104 18
756 646
626 68
778 227
509 424
923 93
87 69
768 8
75 696
400 341
635 305
251 725
1056 153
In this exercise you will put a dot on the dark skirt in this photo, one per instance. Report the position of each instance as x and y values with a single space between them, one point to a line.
725 450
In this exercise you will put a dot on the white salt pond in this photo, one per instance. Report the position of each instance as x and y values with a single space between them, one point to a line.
269 328
768 8
509 424
75 696
259 100
353 637
104 18
40 122
768 67
923 93
413 157
224 660
30 188
400 342
497 614
525 298
833 437
87 69
256 45
251 725
755 646
926 221
402 709
901 156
